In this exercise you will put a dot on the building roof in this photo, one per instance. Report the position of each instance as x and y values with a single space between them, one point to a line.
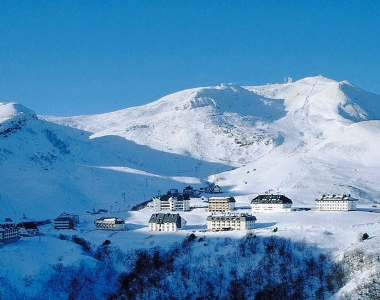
237 216
64 216
161 218
110 219
337 198
229 199
63 219
271 199
27 225
178 197
7 227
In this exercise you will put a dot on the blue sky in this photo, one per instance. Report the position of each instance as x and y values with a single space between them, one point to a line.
84 57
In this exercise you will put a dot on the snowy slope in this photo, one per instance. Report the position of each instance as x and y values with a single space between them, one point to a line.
47 168
313 136
216 124
330 144
306 138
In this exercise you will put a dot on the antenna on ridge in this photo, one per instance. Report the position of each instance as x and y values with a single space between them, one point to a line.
288 80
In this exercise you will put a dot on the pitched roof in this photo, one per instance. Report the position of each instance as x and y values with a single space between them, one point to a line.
337 198
27 225
7 227
229 199
271 199
161 218
110 219
240 217
178 197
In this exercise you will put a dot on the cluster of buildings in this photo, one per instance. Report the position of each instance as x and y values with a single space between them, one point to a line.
70 221
271 202
222 216
11 232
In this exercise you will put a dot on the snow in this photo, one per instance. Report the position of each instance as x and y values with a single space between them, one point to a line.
335 232
9 110
302 139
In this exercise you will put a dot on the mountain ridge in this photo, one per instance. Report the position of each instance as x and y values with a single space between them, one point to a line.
305 138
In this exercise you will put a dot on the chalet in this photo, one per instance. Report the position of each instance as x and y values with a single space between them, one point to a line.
337 202
8 233
66 221
191 192
109 223
270 202
74 217
172 201
223 222
28 229
221 204
166 222
213 189
216 189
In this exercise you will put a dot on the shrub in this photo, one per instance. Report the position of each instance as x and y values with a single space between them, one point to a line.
106 242
365 236
86 246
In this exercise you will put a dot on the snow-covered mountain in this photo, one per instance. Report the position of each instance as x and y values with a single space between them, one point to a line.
306 138
48 168
309 137
220 124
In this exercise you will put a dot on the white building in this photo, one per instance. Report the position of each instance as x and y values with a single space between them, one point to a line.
8 233
337 202
166 222
171 202
221 204
223 222
270 202
28 229
66 221
109 223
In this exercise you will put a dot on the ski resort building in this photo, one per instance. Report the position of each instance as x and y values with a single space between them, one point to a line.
221 204
191 192
8 233
66 221
270 202
337 202
28 229
109 223
166 222
224 222
212 189
171 202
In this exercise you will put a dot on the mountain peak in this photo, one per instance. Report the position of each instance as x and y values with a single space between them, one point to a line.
318 78
9 110
13 116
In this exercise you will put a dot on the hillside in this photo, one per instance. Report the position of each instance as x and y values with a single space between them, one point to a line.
49 168
304 139
218 124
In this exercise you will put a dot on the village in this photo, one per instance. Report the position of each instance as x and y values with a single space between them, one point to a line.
222 213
